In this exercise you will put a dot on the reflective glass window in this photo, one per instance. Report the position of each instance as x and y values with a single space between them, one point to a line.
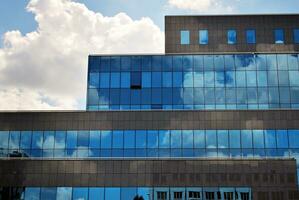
106 139
271 62
145 193
198 96
246 139
273 95
187 138
167 96
282 62
187 63
115 80
83 138
296 35
167 79
293 63
4 136
231 37
156 79
71 139
135 80
198 63
146 79
222 138
152 139
234 139
258 139
279 36
282 139
203 37
60 139
125 80
115 63
48 193
270 138
185 37
80 193
209 79
188 79
128 193
48 142
95 139
64 193
262 80
14 139
293 138
156 96
118 139
293 76
25 140
177 79
32 193
125 63
125 96
93 97
198 79
250 36
94 80
96 193
129 139
240 79
112 193
176 139
141 139
199 139
37 140
283 78
105 64
211 139
164 139
208 63
251 78
104 80
272 78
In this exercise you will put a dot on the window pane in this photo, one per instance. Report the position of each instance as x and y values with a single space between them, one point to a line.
64 193
177 79
296 36
32 193
112 193
25 139
106 139
258 139
14 139
250 36
187 139
146 79
282 139
95 139
294 138
176 139
129 139
167 79
136 80
93 80
48 139
185 37
293 76
104 80
156 79
222 139
211 139
125 80
128 193
80 193
115 80
279 36
4 136
141 139
231 37
96 193
270 139
164 139
71 139
83 138
203 37
199 139
48 193
118 139
246 139
152 139
234 139
37 140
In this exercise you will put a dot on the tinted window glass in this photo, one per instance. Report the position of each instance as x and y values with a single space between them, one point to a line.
48 193
129 139
96 193
279 36
250 36
199 139
246 139
95 139
203 37
25 140
164 139
211 139
294 138
106 139
234 139
14 139
64 193
231 36
80 193
176 139
112 193
185 37
140 139
32 193
296 36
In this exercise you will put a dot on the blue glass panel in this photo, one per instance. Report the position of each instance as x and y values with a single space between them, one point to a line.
279 36
209 79
219 62
252 95
187 139
156 96
258 139
198 63
284 95
146 63
125 63
167 96
112 193
198 96
293 63
152 139
146 96
156 63
271 62
231 37
187 63
80 193
118 139
93 81
246 139
125 97
136 63
146 79
294 93
188 96
129 139
185 37
222 138
106 139
115 63
156 79
229 61
198 79
64 193
176 139
250 36
270 138
282 139
167 63
293 76
125 80
128 193
95 139
93 97
94 63
234 139
203 37
293 138
263 96
141 139
167 79
211 139
283 77
104 80
114 96
261 62
296 36
177 63
273 95
48 142
145 193
14 140
115 80
25 139
164 139
135 97
208 62
96 193
282 62
177 79
4 136
220 96
37 140
231 97
188 79
242 96
240 79
48 193
262 80
251 78
32 193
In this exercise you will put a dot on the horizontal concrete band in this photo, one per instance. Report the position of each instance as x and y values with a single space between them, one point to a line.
260 175
150 120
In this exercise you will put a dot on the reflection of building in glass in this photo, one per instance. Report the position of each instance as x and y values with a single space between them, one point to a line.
216 117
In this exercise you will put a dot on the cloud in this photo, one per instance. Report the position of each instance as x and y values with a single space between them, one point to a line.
203 6
47 68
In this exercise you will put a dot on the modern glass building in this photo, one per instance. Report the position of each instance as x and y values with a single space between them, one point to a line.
214 118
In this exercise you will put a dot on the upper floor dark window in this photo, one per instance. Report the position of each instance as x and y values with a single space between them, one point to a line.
296 36
136 80
231 36
185 37
250 36
203 37
279 36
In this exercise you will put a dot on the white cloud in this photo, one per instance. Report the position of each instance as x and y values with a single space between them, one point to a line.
47 68
203 6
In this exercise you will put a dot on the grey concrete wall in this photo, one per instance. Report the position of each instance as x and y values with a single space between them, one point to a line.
146 120
218 26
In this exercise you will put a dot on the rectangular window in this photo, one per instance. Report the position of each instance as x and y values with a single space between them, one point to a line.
136 80
279 36
185 37
250 36
203 37
296 36
231 36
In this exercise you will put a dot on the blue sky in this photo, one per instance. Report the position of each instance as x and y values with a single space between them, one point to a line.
13 14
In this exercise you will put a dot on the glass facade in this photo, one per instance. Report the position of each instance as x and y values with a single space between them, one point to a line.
194 82
126 193
185 37
203 37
